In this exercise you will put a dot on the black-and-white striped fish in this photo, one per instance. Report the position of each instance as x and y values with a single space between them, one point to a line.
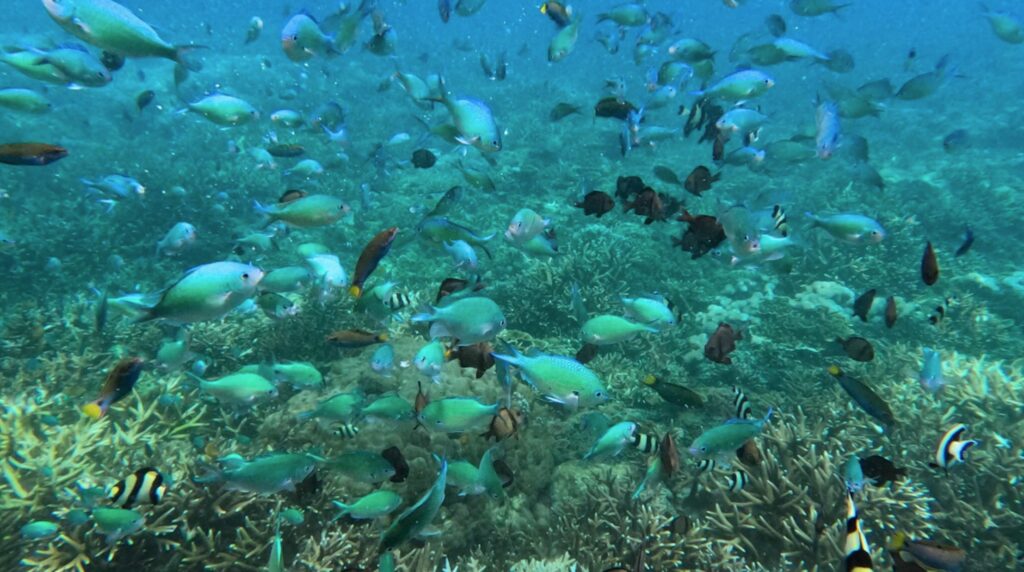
857 552
739 400
705 465
398 300
736 481
346 430
144 485
952 447
646 442
779 220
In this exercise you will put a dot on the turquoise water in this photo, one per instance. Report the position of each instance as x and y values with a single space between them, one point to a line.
94 277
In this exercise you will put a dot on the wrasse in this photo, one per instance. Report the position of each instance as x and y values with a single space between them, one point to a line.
31 154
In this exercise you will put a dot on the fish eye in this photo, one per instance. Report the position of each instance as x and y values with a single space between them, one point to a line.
245 276
704 449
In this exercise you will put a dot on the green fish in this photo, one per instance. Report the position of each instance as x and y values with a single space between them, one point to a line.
286 280
362 466
457 414
651 310
469 320
116 523
239 389
276 561
720 443
629 14
39 529
27 62
292 516
613 441
474 120
26 100
441 229
369 507
743 84
206 292
111 27
472 480
308 212
340 408
79 66
264 475
607 330
655 474
226 110
299 374
563 43
560 379
415 519
391 407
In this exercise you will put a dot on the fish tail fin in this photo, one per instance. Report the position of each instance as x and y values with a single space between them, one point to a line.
898 541
343 510
96 409
183 55
355 291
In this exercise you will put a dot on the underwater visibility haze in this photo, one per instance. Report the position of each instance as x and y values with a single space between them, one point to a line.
507 285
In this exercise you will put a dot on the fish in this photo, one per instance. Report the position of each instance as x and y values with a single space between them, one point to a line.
739 85
880 470
430 359
114 28
956 141
925 84
224 110
241 389
891 313
564 41
365 467
607 330
505 424
862 305
1005 26
667 175
927 554
144 98
31 154
857 348
473 119
737 481
346 430
116 523
776 25
39 530
559 12
288 150
647 443
469 320
853 475
560 380
308 211
721 442
703 234
423 159
587 353
370 258
265 475
864 396
144 485
721 343
626 14
394 456
931 372
562 110
741 403
206 292
476 356
26 100
355 338
415 519
457 414
180 237
613 441
700 180
929 266
857 553
614 107
967 243
252 33
118 384
372 506
597 203
444 9
852 228
302 39
952 448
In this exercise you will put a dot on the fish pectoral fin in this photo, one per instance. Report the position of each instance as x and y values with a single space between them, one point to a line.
81 25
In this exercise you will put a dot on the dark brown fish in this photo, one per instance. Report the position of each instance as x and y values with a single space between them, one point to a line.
648 204
612 106
626 187
673 393
291 195
700 179
721 343
144 99
450 286
669 455
596 203
965 246
397 459
111 61
423 159
478 356
881 470
559 13
356 338
504 472
749 454
370 258
776 25
857 348
286 150
718 150
562 110
890 312
31 154
929 266
505 424
118 384
703 235
862 305
587 353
